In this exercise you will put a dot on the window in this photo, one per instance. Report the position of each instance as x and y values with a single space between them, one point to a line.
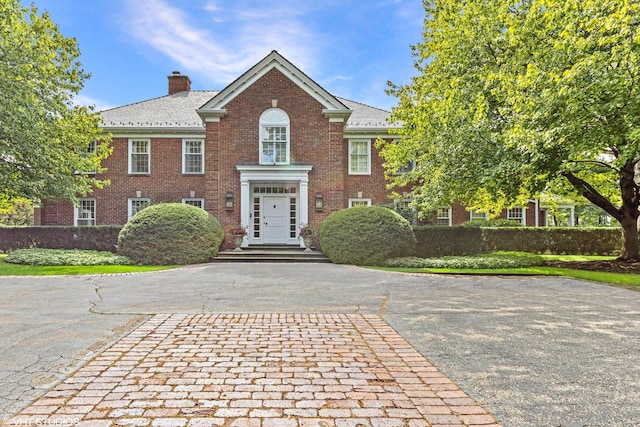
359 202
359 157
274 137
139 156
192 156
516 215
478 216
406 168
137 204
197 202
90 155
443 216
85 212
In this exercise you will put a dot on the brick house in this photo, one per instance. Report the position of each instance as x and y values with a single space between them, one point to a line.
271 151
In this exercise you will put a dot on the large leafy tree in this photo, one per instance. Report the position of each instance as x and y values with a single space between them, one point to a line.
515 97
46 142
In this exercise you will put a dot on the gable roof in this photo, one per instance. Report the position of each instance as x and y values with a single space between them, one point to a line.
186 111
333 108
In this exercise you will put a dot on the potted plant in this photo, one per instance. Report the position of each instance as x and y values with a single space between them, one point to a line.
237 236
307 233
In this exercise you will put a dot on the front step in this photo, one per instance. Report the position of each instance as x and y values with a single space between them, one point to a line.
271 253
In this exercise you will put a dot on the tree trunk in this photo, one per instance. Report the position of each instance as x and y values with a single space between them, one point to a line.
630 244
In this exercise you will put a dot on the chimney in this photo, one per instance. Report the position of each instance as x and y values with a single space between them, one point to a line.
178 83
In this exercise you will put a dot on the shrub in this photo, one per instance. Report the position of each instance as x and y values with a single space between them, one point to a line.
486 261
498 222
170 233
64 257
365 235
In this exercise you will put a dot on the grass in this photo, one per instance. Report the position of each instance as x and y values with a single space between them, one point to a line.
620 279
8 269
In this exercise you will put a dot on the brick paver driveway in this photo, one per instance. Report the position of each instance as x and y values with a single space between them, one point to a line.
530 351
258 370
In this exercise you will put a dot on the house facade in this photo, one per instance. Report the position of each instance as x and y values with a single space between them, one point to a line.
270 152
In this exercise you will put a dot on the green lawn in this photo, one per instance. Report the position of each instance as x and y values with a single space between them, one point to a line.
620 279
8 269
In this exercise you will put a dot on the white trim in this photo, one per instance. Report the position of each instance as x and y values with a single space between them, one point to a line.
129 154
359 199
130 204
522 219
449 215
184 156
200 200
472 212
252 174
274 117
332 107
368 171
76 216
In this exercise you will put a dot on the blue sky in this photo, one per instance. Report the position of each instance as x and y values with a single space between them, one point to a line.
350 47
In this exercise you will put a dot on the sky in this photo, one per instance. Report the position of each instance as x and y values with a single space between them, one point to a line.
350 47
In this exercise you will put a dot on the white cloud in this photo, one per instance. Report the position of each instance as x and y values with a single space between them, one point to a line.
87 101
225 40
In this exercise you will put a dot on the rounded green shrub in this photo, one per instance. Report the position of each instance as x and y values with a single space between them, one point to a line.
169 234
366 235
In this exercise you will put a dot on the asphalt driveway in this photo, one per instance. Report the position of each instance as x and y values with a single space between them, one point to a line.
532 351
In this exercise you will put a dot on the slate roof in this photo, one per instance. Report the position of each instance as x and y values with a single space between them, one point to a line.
178 111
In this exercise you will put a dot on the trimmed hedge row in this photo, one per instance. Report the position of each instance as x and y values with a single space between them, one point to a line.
99 238
444 241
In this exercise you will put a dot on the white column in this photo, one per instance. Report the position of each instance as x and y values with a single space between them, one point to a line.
304 203
245 209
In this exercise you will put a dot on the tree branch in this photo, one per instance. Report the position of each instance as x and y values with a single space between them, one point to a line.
593 195
595 162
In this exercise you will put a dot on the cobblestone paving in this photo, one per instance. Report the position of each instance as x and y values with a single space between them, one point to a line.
259 370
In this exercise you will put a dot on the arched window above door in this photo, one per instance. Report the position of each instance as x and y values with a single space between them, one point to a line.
274 137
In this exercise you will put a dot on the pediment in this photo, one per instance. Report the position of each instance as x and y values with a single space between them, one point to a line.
332 107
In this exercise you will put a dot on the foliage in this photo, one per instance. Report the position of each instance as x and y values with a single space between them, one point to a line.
493 260
307 230
170 233
18 212
44 138
238 230
365 235
64 257
515 98
99 237
8 269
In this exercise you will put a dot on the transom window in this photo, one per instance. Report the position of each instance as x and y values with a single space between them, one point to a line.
85 212
274 137
359 156
192 156
359 202
139 154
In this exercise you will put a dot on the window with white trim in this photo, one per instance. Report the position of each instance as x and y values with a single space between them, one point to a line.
192 156
92 149
137 204
406 168
443 216
139 156
194 201
516 215
274 137
85 212
359 157
359 202
478 216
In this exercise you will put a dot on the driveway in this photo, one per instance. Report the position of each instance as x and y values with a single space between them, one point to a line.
531 351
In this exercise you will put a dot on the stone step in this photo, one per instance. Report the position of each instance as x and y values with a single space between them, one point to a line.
271 253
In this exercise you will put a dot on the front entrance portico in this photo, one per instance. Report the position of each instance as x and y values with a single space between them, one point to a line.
274 202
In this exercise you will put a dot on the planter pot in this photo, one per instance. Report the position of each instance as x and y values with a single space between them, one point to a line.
308 241
237 242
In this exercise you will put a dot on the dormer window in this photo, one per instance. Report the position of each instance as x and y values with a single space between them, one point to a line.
274 137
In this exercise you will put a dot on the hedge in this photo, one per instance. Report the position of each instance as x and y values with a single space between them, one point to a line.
99 238
443 241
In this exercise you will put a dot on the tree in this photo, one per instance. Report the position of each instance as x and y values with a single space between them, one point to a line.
47 144
515 97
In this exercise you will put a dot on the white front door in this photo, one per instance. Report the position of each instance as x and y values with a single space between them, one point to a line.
275 219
